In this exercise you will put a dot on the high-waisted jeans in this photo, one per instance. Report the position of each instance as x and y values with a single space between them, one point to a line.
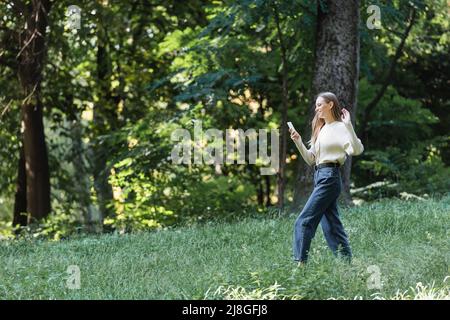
322 207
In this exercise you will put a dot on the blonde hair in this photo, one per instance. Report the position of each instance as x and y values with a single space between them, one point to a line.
317 123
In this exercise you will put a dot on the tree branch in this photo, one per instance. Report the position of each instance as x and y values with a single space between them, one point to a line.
398 34
371 106
5 109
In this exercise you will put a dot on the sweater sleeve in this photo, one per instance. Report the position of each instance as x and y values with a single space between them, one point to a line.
308 155
353 145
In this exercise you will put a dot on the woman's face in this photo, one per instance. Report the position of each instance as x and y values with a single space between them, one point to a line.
323 109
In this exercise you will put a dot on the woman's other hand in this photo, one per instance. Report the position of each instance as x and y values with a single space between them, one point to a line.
295 136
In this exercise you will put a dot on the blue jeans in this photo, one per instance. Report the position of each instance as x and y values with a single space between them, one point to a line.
322 207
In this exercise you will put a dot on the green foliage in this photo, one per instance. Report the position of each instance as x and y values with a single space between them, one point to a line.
55 227
402 151
419 170
115 90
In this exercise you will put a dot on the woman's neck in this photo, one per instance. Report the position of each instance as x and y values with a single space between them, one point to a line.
329 120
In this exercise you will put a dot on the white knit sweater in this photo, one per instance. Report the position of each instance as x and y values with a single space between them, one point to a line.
334 143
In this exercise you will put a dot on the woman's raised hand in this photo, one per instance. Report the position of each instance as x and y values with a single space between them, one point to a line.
346 117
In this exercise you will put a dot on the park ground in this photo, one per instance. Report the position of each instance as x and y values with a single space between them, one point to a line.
401 251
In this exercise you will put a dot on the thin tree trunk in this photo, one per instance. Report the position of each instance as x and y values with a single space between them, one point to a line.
104 118
20 216
281 178
260 191
268 201
92 218
266 178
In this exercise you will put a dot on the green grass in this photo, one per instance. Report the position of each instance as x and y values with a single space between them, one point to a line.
407 240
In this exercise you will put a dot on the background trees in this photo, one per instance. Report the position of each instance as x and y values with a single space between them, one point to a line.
111 93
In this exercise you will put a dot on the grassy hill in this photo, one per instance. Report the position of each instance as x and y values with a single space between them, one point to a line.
404 244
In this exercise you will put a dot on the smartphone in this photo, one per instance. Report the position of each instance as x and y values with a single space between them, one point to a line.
290 125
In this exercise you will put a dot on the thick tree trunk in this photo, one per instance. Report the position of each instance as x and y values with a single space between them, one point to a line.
336 70
31 61
337 62
303 185
36 162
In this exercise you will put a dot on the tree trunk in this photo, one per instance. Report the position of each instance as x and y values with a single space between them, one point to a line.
20 200
91 215
31 61
281 175
104 119
268 200
337 62
303 185
260 192
336 70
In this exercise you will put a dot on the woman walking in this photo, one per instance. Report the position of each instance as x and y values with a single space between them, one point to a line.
332 140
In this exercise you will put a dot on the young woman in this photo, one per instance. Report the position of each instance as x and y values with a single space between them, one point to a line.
332 140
